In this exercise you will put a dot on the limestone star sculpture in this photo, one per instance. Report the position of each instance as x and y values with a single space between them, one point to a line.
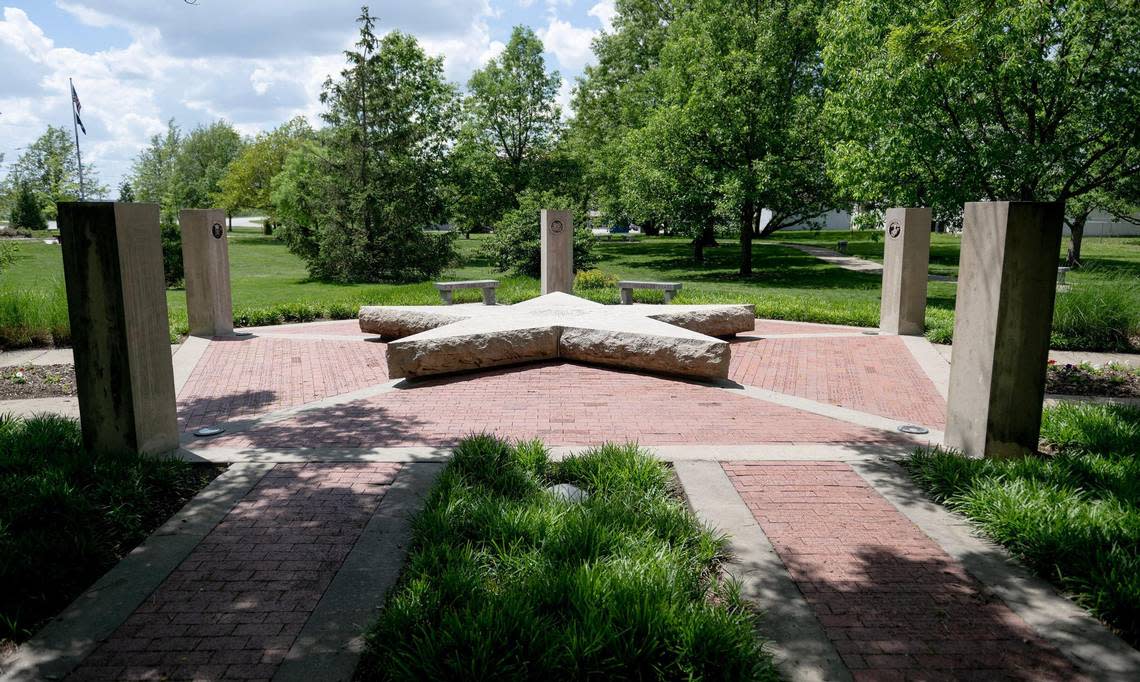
673 339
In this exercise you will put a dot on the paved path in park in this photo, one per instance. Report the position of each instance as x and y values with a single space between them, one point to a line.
853 263
273 572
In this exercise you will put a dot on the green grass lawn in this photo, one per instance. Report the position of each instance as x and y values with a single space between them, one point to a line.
68 515
271 286
506 581
1073 516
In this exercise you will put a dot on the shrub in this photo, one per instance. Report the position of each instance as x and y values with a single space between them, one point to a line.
67 515
516 245
26 212
34 317
171 252
506 581
594 279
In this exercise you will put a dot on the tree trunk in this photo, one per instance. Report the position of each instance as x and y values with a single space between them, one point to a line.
1077 234
746 214
707 237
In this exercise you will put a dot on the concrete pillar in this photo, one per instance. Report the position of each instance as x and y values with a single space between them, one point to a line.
206 262
120 334
557 251
906 258
1007 278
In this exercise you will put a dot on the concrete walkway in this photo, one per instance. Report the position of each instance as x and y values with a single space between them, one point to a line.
853 263
276 568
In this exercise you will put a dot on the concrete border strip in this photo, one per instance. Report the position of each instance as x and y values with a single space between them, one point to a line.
834 411
800 646
1055 399
71 636
373 338
186 359
331 641
825 452
936 367
1079 636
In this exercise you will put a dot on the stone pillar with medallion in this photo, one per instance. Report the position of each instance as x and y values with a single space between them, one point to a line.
206 262
557 251
906 259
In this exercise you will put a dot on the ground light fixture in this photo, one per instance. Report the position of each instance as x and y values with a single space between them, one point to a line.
207 431
914 429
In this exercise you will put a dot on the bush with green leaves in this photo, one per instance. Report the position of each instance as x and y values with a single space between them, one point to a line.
516 244
506 580
1072 516
67 515
595 279
26 211
1100 315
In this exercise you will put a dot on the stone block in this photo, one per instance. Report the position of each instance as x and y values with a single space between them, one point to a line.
557 251
1003 317
906 260
116 299
206 262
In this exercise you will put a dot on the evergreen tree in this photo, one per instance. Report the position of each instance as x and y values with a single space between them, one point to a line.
26 213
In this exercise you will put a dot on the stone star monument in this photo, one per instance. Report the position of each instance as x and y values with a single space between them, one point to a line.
674 339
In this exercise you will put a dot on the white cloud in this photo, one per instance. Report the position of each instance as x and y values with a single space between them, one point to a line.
605 12
565 94
569 44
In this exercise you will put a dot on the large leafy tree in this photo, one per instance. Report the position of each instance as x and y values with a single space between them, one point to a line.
938 102
153 176
247 182
511 107
740 94
202 161
380 168
50 169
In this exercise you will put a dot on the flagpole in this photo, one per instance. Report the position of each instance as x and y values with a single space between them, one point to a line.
75 126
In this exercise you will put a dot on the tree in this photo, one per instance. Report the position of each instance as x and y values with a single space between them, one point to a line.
936 102
201 162
516 245
740 94
126 192
476 197
49 167
248 180
380 167
154 179
26 212
511 105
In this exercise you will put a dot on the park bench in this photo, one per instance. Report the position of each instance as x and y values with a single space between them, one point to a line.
670 289
1061 275
487 285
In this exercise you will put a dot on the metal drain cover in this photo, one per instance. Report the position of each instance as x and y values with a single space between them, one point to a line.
913 428
207 431
870 333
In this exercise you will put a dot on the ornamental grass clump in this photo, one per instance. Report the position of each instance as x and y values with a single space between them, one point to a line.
1072 516
508 581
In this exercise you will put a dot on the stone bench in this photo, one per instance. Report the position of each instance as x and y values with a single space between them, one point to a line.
670 289
487 285
1061 271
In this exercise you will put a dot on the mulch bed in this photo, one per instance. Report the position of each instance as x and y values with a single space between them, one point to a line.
1111 381
37 381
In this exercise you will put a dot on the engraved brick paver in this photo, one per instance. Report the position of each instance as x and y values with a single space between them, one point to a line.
873 374
893 603
560 402
247 376
234 606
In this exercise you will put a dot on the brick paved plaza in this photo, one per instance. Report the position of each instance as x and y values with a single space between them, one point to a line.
890 601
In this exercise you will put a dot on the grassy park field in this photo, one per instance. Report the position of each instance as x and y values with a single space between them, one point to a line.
270 286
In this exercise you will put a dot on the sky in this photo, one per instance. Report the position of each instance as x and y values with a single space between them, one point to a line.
256 63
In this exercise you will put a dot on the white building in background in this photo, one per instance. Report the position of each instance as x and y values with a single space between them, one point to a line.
1100 224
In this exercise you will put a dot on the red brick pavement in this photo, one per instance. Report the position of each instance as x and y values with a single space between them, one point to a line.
234 606
338 328
562 403
782 327
254 375
894 604
874 374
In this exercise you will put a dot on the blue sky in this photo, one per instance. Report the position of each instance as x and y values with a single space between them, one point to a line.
256 63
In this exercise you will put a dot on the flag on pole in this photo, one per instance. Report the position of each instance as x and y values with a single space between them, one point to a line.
78 107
